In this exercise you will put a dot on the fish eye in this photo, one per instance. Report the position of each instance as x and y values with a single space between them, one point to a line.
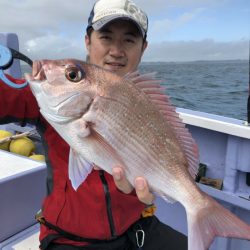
73 73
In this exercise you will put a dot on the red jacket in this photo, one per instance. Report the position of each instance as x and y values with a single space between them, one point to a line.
97 209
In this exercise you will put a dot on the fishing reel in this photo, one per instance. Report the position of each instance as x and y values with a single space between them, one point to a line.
7 56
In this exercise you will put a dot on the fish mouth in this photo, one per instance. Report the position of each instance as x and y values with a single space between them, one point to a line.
38 72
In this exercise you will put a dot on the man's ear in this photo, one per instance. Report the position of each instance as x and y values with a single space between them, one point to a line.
144 46
87 42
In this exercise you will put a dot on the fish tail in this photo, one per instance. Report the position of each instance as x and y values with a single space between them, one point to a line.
211 221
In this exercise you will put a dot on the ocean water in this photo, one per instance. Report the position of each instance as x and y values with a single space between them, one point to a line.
217 87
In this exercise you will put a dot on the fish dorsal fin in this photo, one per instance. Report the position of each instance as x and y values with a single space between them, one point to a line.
155 91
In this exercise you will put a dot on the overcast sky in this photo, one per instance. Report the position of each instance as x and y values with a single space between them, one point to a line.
179 30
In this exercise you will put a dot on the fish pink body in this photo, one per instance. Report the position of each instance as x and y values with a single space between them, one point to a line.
108 120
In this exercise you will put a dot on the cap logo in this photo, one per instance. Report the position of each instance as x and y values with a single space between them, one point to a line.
136 13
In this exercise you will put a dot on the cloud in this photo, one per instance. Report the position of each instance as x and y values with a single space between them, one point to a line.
206 49
49 22
166 26
161 7
54 47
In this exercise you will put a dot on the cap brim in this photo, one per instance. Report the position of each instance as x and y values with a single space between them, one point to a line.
107 19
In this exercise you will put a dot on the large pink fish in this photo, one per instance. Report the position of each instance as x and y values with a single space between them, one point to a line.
108 120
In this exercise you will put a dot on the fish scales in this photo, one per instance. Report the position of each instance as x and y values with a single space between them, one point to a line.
125 139
135 120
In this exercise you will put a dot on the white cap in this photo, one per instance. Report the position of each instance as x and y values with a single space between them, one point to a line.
105 11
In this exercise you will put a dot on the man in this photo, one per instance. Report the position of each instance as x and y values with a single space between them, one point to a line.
105 212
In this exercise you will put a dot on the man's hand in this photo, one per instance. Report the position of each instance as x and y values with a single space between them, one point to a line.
141 186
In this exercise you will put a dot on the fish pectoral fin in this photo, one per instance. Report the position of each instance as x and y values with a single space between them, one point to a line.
79 168
82 127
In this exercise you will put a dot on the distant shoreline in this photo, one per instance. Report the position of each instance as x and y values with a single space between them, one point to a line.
197 61
178 62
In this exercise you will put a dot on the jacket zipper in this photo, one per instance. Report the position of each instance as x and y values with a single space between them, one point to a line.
108 204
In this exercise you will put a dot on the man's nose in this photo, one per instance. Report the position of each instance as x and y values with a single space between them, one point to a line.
117 49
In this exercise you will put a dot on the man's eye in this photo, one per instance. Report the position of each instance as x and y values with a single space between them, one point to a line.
130 40
105 38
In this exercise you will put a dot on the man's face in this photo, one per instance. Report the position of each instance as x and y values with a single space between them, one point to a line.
118 47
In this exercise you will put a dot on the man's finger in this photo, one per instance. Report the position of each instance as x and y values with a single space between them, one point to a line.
121 181
142 191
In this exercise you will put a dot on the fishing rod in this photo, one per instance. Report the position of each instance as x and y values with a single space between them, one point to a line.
248 109
248 100
7 56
